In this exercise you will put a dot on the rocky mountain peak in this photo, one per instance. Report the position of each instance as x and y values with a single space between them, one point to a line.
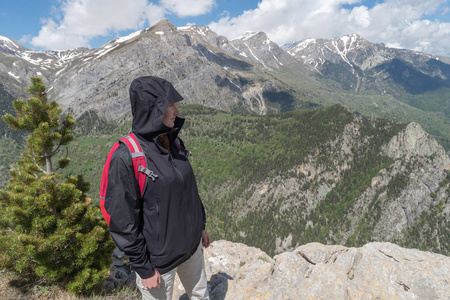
68 55
10 46
247 35
196 30
132 36
316 51
348 43
256 38
260 50
204 35
415 140
46 59
345 43
164 26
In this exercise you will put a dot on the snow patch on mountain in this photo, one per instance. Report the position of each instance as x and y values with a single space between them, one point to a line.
201 30
247 35
128 37
12 75
8 43
251 52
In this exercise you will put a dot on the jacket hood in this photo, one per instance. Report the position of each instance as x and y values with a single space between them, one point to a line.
150 96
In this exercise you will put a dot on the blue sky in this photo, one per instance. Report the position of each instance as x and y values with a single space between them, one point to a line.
422 25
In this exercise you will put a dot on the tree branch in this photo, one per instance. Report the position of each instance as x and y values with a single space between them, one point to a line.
56 150
36 164
67 154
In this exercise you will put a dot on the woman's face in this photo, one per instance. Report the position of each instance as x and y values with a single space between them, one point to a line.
170 114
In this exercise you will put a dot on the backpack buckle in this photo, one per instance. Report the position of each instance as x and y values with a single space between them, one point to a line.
148 172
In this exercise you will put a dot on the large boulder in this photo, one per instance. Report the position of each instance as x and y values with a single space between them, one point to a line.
317 271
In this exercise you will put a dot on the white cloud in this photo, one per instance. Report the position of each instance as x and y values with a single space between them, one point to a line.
360 16
54 36
394 22
97 17
154 13
188 7
76 22
405 23
82 20
424 36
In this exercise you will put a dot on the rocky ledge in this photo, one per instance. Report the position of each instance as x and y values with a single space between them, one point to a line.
316 271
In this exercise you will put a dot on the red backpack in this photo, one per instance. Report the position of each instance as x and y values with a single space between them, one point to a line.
139 166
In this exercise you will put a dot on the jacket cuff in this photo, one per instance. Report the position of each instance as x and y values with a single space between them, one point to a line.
145 272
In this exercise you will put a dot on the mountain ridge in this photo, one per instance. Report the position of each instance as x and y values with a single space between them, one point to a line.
249 74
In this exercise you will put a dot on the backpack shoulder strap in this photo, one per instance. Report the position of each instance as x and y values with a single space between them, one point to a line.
139 161
104 183
139 167
179 143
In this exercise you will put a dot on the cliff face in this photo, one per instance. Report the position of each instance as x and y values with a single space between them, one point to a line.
410 186
316 271
371 182
423 162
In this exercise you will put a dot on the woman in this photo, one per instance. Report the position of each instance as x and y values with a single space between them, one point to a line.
163 231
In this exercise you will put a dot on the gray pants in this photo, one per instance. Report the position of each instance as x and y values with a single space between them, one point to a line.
192 275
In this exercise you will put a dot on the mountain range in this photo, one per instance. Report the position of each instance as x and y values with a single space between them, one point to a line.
246 74
320 140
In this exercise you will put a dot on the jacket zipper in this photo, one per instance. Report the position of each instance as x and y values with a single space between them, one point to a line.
175 168
182 180
157 220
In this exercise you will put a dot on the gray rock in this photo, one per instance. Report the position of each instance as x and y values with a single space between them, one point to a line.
121 273
316 271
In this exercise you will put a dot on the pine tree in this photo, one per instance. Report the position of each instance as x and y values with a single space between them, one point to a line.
49 232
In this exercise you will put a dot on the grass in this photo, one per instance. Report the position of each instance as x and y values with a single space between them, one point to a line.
14 287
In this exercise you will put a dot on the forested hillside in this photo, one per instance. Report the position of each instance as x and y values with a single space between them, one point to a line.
242 155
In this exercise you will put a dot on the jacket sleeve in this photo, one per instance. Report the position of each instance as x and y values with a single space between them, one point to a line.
123 204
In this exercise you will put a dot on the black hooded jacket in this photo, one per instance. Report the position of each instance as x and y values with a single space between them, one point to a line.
163 228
